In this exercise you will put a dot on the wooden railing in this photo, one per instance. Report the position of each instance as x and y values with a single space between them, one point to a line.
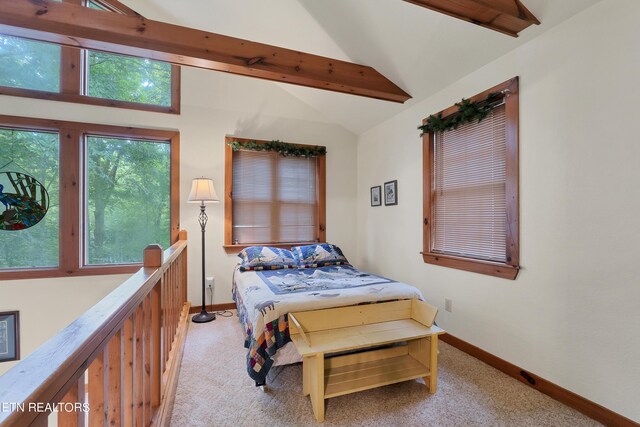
116 364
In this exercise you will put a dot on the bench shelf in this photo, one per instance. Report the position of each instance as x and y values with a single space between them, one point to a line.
405 328
363 376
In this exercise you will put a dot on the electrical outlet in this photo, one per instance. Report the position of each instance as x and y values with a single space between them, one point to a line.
448 304
210 282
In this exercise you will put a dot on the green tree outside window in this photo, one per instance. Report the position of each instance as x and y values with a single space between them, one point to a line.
36 154
29 64
128 200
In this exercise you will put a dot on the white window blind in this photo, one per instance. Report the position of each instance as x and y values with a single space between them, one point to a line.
274 198
469 216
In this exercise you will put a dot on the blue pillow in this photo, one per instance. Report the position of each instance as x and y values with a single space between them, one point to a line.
312 256
266 258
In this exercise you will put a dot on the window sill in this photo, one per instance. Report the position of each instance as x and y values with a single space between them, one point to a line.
496 269
232 249
47 273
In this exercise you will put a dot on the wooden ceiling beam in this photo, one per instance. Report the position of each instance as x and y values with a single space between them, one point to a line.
506 16
81 27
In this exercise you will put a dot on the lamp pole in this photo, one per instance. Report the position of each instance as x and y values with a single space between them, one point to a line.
202 191
203 316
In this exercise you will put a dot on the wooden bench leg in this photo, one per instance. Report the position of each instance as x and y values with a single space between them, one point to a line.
420 350
317 386
433 364
306 380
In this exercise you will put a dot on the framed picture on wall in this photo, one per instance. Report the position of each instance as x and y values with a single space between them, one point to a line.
9 336
391 193
376 199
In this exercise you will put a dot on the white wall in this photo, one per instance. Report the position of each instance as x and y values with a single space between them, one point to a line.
572 315
213 105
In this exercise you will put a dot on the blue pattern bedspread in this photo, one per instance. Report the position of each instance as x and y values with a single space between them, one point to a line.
318 279
265 298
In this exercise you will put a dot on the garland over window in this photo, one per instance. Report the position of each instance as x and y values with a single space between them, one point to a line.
280 147
468 112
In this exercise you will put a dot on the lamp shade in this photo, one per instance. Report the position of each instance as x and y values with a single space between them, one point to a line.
202 191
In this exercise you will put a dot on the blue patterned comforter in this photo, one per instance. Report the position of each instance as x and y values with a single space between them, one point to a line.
265 298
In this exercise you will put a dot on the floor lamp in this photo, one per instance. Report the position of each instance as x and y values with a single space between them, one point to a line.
202 192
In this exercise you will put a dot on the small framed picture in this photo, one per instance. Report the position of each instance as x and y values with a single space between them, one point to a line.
391 193
376 199
9 336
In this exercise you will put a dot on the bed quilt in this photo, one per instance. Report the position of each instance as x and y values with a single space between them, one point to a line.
264 298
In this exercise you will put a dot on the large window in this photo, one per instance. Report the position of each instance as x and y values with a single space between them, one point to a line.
471 190
273 199
34 154
43 70
128 188
111 190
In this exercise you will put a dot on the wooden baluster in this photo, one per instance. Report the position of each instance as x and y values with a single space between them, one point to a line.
170 329
113 372
185 276
169 309
41 420
127 373
147 359
165 326
138 369
82 393
178 287
183 263
179 281
171 312
156 363
175 304
75 396
153 259
176 280
97 414
68 419
166 312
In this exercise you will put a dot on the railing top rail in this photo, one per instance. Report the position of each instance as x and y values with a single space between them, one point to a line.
46 374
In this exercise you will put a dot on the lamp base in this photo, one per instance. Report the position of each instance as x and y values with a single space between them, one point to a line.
203 317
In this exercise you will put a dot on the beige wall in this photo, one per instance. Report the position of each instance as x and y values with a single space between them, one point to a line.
47 306
213 105
572 315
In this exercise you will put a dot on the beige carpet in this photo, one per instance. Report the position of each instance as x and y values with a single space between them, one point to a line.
215 390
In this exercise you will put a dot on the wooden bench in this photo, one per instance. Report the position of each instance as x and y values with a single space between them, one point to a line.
319 334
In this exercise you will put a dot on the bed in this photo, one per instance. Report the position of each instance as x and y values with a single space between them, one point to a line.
264 299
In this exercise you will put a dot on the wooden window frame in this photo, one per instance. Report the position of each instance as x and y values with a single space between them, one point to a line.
112 5
73 71
72 191
321 194
508 270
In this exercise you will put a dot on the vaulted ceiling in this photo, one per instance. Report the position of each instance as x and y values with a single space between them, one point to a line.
420 50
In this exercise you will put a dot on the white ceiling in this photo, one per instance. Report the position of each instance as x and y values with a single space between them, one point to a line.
420 50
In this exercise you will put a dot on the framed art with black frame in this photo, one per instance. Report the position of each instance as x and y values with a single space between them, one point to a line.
9 336
376 199
391 193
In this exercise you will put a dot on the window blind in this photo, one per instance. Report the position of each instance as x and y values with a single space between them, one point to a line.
469 214
274 198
